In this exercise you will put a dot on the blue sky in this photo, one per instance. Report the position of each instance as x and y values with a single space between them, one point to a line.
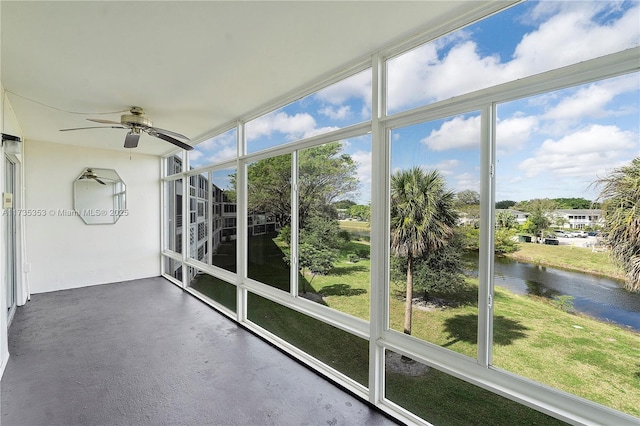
552 145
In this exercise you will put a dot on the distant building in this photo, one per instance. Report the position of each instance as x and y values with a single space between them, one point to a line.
564 218
578 218
206 235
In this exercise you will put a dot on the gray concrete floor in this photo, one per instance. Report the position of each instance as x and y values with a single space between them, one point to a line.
144 352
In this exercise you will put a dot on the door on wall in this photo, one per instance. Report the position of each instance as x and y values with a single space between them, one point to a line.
10 241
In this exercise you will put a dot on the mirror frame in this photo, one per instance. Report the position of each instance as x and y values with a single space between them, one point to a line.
99 196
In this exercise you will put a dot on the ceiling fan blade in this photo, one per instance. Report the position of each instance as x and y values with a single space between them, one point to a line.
172 140
168 132
131 141
99 181
97 120
93 127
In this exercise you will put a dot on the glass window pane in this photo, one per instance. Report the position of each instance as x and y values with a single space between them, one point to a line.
173 215
173 268
336 348
435 205
518 42
224 220
334 193
442 399
269 210
214 150
339 105
559 296
218 290
198 217
173 164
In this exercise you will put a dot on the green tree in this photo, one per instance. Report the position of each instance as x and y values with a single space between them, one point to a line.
440 272
324 175
505 219
344 204
470 237
504 241
269 187
422 220
573 203
539 211
468 205
468 197
559 221
505 204
620 198
360 212
318 247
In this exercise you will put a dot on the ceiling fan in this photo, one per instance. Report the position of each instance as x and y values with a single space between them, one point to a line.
137 123
90 174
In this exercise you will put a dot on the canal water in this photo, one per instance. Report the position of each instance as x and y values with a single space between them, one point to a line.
599 297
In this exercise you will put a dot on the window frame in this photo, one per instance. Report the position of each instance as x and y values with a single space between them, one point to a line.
479 372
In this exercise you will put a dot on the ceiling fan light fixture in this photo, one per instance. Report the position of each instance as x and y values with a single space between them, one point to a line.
137 123
132 138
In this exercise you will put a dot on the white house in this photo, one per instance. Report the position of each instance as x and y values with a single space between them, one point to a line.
578 218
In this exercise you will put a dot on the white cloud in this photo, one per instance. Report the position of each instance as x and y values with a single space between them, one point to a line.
295 126
445 167
513 132
457 133
580 37
568 37
467 181
592 100
582 153
336 113
194 156
363 160
221 147
225 153
316 131
356 86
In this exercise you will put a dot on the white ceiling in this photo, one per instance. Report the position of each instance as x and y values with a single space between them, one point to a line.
192 66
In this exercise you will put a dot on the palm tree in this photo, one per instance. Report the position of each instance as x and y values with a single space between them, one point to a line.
506 219
422 220
620 197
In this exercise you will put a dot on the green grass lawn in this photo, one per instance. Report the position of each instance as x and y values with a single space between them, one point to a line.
533 338
568 257
354 225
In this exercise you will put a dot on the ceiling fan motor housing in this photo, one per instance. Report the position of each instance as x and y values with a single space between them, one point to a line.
136 120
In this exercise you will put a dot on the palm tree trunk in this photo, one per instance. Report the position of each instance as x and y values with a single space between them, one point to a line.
408 302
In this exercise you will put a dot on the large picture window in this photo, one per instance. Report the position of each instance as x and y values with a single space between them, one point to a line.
551 149
518 42
428 232
334 194
434 235
337 106
268 211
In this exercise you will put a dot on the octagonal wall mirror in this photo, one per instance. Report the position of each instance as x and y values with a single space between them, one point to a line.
99 196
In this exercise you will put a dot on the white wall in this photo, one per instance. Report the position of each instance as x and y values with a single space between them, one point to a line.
4 344
62 251
9 124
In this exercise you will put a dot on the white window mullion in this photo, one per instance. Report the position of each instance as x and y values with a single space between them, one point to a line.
294 224
485 263
163 215
379 225
186 226
210 224
242 254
